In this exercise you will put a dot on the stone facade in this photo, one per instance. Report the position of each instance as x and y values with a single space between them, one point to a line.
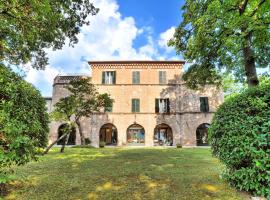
178 125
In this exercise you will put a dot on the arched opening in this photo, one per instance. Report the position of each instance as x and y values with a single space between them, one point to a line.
163 135
202 134
135 135
108 134
72 135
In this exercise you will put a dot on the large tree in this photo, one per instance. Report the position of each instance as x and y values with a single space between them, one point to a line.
224 35
83 101
29 26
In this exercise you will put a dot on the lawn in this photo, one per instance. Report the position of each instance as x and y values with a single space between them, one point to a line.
122 173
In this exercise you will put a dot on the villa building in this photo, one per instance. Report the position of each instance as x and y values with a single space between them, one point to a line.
152 106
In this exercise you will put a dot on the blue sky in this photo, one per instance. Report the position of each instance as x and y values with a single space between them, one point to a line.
122 30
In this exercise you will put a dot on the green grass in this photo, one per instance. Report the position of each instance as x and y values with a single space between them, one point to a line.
123 173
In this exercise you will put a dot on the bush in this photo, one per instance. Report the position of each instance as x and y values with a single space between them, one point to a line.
178 145
102 144
240 138
87 141
23 121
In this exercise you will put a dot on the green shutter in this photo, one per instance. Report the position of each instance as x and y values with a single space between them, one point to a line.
168 105
138 105
206 104
133 105
133 78
103 77
160 77
114 77
157 105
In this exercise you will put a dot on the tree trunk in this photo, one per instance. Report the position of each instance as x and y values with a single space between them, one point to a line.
51 145
80 132
65 143
249 61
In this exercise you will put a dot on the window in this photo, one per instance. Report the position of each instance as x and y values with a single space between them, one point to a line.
136 77
135 105
162 106
204 106
108 77
162 77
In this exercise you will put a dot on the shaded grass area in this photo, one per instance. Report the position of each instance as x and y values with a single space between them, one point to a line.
122 173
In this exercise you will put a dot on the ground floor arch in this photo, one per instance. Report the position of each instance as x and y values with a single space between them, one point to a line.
202 134
108 134
71 138
163 135
135 135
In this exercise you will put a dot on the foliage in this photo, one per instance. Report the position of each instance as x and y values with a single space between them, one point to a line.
27 27
23 120
218 36
87 141
117 173
240 138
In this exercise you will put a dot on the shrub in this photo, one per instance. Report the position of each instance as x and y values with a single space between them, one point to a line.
102 144
240 138
178 145
87 141
23 121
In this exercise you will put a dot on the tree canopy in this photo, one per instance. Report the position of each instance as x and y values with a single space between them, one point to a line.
28 27
223 35
23 121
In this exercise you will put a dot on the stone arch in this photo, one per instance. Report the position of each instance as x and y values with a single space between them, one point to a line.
163 135
108 134
72 135
135 135
202 134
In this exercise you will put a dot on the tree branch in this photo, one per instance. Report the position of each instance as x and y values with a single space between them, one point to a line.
257 8
243 7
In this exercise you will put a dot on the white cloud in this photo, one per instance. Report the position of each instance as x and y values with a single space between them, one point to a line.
165 37
109 37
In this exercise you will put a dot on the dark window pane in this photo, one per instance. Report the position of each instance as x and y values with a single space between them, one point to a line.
204 106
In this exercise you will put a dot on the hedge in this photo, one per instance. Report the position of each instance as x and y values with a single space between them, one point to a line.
240 138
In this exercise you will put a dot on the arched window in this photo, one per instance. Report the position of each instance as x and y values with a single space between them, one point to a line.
135 135
163 135
108 134
202 134
72 135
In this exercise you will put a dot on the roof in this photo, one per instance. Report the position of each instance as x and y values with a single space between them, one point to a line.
138 62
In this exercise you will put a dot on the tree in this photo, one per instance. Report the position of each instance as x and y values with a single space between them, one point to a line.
27 27
83 101
218 35
23 122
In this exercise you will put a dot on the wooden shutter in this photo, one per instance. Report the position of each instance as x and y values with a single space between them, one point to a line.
206 104
168 105
133 105
114 77
160 77
103 77
157 105
138 105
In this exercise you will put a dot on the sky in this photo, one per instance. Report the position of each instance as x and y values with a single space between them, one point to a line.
122 30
